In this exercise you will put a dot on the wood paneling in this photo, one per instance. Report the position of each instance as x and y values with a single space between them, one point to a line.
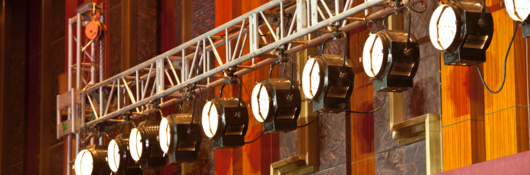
463 117
363 167
463 144
362 125
506 132
506 121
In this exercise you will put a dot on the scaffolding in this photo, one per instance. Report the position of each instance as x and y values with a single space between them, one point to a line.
278 24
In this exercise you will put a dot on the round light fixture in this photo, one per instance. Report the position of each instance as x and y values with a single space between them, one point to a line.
276 103
390 61
462 32
119 157
92 161
144 145
225 121
328 81
519 10
176 141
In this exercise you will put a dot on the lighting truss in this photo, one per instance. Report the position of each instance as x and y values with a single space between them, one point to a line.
135 88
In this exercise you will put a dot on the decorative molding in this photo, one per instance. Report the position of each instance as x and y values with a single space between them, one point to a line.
292 165
428 127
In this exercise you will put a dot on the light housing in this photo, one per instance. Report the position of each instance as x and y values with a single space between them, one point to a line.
519 10
455 30
176 141
222 123
324 82
92 161
276 103
119 157
144 145
385 60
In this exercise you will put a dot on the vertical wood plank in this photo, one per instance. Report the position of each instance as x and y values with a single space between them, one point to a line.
506 113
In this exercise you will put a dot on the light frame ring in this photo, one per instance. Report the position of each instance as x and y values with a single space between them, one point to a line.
460 34
220 120
122 141
385 62
323 66
99 157
271 102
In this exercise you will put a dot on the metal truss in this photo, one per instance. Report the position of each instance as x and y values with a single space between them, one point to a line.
277 24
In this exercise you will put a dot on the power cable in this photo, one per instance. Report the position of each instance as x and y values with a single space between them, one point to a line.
505 61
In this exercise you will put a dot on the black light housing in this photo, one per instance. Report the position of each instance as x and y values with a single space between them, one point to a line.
276 103
176 141
391 63
519 10
92 161
225 121
144 145
119 156
328 80
462 31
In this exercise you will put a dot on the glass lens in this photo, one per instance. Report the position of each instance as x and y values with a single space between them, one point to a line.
164 135
135 144
373 55
113 155
209 119
311 78
442 28
84 163
518 9
260 102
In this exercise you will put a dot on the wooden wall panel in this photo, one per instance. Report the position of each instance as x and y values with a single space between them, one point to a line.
462 117
362 125
506 113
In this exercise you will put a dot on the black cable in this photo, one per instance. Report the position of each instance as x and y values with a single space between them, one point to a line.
309 122
255 138
505 60
372 111
322 47
272 67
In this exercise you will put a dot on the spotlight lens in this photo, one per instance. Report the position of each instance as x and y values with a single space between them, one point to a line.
311 78
518 9
209 119
113 154
260 102
84 163
442 27
135 144
373 56
164 135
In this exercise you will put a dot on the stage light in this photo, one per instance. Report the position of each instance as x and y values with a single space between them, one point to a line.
119 157
328 81
276 103
179 137
519 10
92 161
462 31
225 120
144 145
390 60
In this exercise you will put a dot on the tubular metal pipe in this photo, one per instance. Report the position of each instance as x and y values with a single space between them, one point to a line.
68 154
249 56
78 53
